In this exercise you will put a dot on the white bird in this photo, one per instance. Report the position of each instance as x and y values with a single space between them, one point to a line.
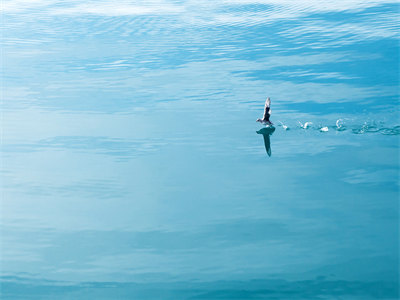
267 113
305 125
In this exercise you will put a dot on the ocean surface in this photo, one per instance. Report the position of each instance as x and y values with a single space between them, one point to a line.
132 166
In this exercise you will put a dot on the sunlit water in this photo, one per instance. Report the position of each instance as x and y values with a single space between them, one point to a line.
133 168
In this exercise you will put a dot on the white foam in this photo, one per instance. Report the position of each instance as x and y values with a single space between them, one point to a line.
324 129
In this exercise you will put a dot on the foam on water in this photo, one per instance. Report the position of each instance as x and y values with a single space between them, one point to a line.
355 128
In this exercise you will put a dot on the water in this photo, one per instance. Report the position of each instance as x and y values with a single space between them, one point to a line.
133 168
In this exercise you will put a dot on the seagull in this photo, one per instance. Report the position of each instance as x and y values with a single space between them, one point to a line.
267 113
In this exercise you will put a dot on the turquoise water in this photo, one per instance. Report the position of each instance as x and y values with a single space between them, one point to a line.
133 168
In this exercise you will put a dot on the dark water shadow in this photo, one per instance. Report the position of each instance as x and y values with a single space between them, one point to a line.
267 132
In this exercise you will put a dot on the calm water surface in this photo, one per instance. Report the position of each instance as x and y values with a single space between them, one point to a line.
133 168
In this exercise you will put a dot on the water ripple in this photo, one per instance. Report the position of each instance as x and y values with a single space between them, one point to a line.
120 148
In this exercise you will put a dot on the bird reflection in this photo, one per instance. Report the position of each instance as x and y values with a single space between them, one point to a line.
267 132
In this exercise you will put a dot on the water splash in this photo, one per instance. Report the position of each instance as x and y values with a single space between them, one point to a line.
366 127
306 125
285 127
342 125
324 129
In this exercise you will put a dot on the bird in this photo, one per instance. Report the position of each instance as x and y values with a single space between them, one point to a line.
267 113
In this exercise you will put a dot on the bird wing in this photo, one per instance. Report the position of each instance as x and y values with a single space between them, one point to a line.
267 110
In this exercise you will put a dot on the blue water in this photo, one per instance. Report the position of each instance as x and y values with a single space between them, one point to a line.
133 168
